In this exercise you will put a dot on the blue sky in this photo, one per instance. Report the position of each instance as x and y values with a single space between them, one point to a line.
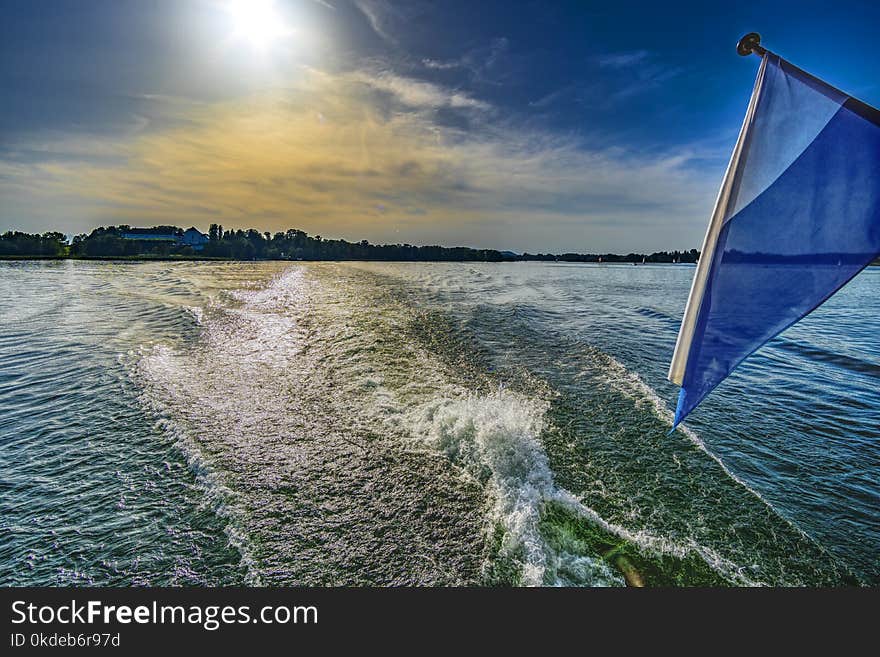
524 125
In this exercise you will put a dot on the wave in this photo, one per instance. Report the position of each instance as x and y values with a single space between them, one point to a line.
496 438
812 352
632 385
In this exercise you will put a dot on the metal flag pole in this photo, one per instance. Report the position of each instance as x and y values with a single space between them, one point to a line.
750 44
698 285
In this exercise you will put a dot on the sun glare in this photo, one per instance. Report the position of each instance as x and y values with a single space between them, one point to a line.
257 22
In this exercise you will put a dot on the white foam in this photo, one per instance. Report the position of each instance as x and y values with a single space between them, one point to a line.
494 437
156 365
197 312
256 339
657 544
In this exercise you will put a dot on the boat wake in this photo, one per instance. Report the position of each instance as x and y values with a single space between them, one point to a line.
296 381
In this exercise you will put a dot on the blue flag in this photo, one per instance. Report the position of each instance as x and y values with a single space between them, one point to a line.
797 217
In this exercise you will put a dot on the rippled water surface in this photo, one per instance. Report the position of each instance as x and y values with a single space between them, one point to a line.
421 424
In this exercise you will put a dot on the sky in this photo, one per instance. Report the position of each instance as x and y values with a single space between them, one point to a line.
528 126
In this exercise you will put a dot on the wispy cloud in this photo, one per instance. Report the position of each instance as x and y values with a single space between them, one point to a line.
388 18
416 93
373 12
489 63
622 59
442 66
624 75
554 96
648 79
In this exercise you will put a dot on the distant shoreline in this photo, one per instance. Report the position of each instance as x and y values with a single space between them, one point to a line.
173 243
125 243
147 258
140 258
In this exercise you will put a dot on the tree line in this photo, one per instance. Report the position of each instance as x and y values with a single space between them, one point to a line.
658 256
251 244
47 245
298 245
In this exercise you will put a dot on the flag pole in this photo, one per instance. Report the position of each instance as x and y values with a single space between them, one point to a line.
750 44
698 286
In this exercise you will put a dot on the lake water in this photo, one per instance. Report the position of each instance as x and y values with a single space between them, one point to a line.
377 423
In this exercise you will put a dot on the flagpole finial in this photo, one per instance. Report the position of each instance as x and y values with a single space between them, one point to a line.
750 44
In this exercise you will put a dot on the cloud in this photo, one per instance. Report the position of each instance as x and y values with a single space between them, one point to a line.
441 66
624 75
330 156
374 11
554 96
622 59
490 63
417 93
387 18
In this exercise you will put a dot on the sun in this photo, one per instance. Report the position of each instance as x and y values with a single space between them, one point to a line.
257 22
